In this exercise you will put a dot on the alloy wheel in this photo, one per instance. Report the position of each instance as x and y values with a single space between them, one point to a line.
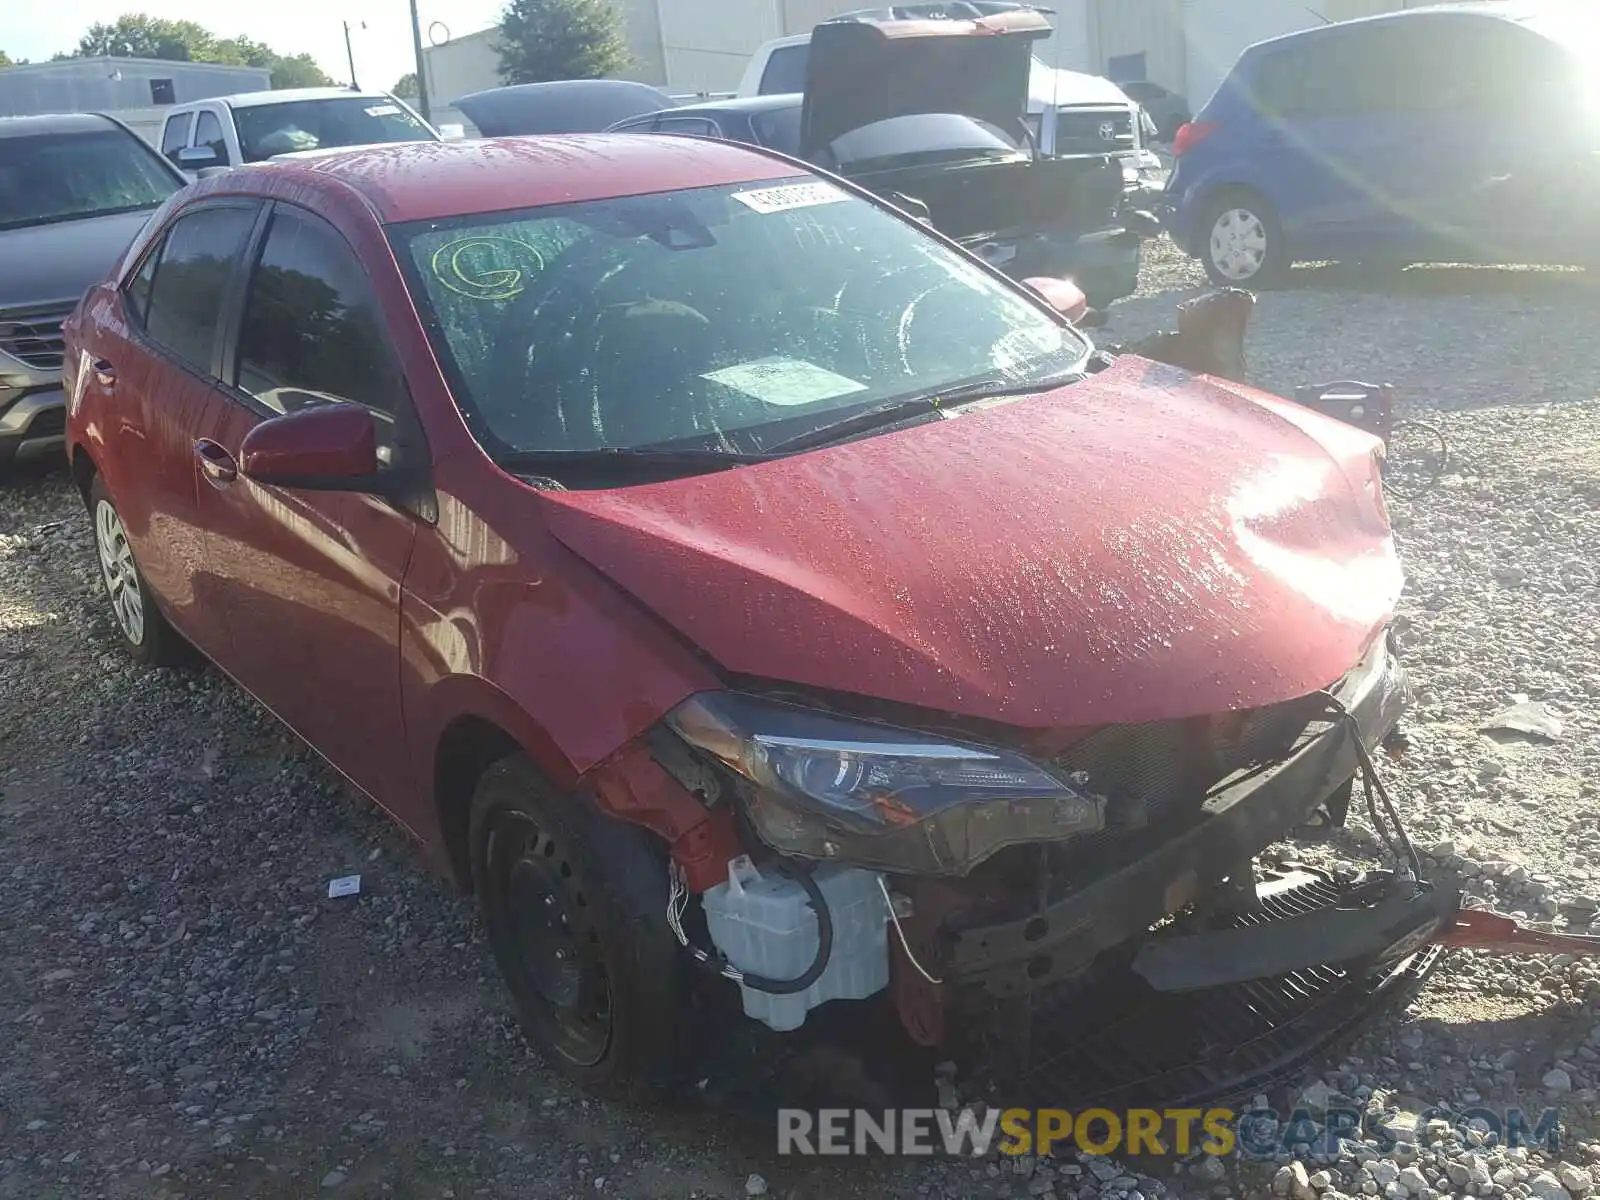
120 574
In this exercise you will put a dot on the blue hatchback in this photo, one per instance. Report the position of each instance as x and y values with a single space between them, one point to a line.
1456 133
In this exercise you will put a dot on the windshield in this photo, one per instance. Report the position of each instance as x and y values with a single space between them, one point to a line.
730 317
268 129
45 178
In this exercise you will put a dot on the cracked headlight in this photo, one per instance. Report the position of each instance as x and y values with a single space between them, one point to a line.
828 787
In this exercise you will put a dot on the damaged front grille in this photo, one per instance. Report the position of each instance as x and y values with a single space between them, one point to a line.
1094 131
1119 1044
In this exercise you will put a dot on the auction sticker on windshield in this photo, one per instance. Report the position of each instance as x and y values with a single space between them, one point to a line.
794 195
785 381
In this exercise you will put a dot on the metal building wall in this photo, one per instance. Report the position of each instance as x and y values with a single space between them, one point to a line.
1189 45
1152 27
116 84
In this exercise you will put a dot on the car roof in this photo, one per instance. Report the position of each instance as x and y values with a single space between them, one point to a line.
422 181
1502 10
289 95
744 104
56 124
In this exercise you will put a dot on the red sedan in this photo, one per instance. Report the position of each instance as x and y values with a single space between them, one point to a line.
755 599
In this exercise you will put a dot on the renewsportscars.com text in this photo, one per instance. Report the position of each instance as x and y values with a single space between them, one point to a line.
1255 1133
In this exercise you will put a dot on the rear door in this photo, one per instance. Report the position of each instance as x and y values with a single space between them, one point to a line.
310 581
785 70
1509 143
159 350
1337 153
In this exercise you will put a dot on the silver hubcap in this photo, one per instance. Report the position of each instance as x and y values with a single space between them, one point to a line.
116 564
1238 243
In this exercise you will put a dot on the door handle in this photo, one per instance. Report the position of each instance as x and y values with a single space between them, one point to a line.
105 374
217 463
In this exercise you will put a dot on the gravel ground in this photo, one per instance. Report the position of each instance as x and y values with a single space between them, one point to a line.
183 1012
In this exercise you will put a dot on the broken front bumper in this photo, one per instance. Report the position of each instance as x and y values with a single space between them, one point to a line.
1238 818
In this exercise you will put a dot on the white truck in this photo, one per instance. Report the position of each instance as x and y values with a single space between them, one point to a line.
205 136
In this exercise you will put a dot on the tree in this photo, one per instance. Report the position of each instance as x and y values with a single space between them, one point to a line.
136 35
406 86
5 60
298 71
560 39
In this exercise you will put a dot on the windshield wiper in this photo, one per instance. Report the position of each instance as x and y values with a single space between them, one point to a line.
896 411
612 456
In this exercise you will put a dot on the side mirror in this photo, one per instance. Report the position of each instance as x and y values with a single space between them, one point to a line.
1063 295
328 448
199 158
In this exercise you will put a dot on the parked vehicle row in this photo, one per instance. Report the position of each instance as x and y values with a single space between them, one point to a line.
937 115
1454 133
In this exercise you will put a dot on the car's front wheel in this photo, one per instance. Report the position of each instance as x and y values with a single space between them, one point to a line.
142 629
575 907
1241 242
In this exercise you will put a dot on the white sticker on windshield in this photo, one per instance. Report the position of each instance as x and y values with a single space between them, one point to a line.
383 110
795 195
785 381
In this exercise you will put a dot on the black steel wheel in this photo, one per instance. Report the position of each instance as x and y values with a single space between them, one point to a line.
575 908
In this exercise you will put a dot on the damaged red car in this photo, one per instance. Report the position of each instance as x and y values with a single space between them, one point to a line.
761 604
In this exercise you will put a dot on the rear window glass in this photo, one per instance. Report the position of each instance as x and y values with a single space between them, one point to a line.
786 70
185 296
779 129
1433 63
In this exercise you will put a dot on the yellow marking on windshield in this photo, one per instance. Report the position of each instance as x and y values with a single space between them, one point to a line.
453 266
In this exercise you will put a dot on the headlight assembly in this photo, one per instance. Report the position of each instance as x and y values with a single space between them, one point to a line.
828 787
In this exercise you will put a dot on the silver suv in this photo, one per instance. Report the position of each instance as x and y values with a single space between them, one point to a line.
74 190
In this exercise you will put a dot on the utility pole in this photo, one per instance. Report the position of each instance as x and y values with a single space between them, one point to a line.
422 66
350 55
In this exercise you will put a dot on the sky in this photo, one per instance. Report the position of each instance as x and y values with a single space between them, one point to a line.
383 50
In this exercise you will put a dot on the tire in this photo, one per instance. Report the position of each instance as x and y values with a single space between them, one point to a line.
142 629
600 983
1240 242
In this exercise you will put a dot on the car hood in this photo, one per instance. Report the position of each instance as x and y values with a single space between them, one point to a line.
48 264
1142 546
861 71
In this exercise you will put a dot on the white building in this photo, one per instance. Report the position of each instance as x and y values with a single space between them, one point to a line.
702 46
